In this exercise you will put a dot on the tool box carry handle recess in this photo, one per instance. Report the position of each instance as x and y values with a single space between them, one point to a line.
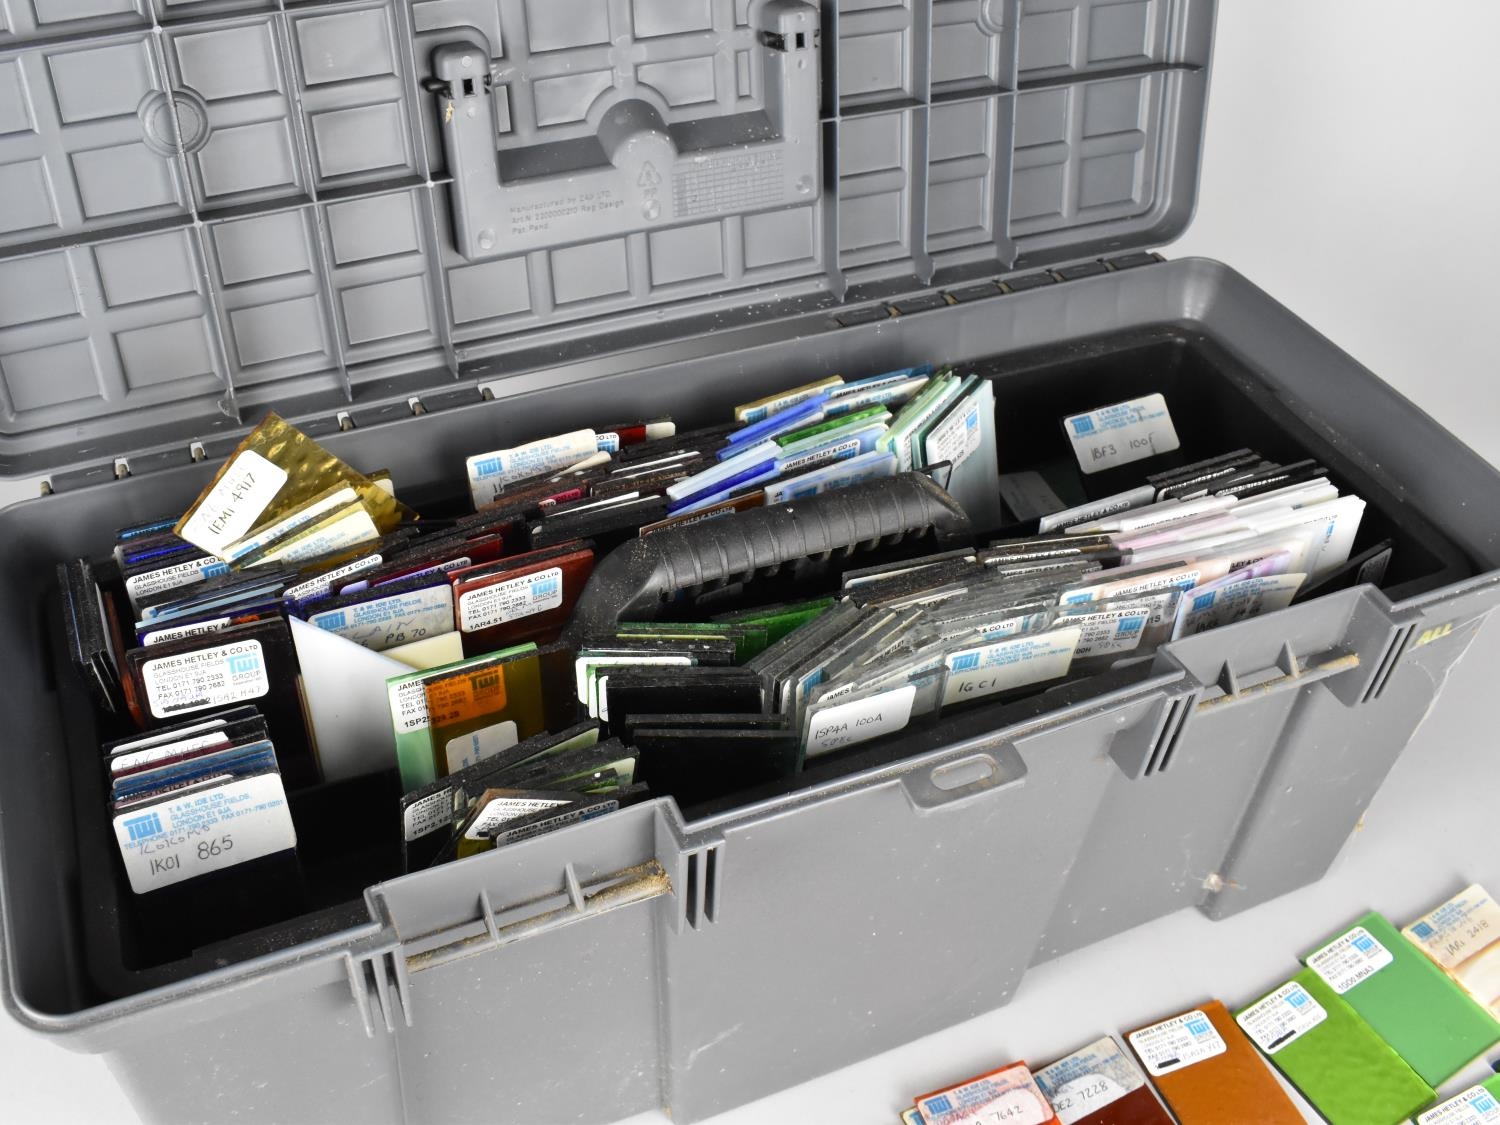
634 582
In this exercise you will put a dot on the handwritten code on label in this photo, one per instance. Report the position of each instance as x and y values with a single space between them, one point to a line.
243 492
1089 1080
860 720
1122 433
174 840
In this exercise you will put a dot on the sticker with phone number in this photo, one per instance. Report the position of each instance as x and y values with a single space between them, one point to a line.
1178 1042
209 677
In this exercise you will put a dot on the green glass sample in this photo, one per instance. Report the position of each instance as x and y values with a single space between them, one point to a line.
1413 1005
1350 1074
779 620
853 420
749 638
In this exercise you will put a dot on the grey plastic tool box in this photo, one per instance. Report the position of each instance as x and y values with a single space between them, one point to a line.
424 229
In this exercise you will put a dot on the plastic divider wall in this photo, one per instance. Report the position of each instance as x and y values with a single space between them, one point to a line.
882 915
1163 834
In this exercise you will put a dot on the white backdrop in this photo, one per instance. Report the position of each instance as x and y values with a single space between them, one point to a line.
1352 169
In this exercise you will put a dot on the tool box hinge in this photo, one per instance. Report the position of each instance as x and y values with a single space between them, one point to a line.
1000 286
316 426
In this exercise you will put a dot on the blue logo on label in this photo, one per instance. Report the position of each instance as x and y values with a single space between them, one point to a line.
1364 943
244 664
1484 1103
1297 999
335 620
1422 930
143 827
965 662
1202 602
939 1104
1130 625
488 466
1199 1028
545 588
215 569
971 422
1081 426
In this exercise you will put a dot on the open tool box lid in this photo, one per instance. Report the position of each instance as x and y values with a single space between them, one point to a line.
358 211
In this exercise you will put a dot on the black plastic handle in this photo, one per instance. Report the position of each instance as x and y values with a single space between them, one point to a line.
635 580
